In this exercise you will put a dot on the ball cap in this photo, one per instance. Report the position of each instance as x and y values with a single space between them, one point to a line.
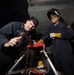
53 11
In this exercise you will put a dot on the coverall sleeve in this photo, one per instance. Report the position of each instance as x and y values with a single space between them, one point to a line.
4 33
46 35
67 32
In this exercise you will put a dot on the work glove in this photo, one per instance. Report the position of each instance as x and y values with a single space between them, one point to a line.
53 35
39 42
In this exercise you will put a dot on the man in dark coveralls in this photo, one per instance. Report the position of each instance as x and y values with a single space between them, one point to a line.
11 41
60 33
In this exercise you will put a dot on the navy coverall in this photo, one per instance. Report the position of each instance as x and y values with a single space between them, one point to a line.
11 30
61 49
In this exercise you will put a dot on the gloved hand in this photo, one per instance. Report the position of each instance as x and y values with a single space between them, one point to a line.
53 35
41 41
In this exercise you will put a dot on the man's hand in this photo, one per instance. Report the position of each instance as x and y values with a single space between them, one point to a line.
12 42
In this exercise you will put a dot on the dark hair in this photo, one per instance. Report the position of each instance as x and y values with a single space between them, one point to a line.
35 21
53 11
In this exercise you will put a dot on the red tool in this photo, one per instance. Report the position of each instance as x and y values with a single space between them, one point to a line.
35 45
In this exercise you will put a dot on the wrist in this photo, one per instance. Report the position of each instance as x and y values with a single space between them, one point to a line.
58 35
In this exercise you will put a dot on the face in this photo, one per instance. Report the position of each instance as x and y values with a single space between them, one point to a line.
29 25
54 19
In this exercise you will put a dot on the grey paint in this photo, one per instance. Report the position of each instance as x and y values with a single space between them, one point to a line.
40 12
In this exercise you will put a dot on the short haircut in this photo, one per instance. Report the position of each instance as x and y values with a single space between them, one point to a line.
35 20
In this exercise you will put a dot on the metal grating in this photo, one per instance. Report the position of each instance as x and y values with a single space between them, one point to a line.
49 2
